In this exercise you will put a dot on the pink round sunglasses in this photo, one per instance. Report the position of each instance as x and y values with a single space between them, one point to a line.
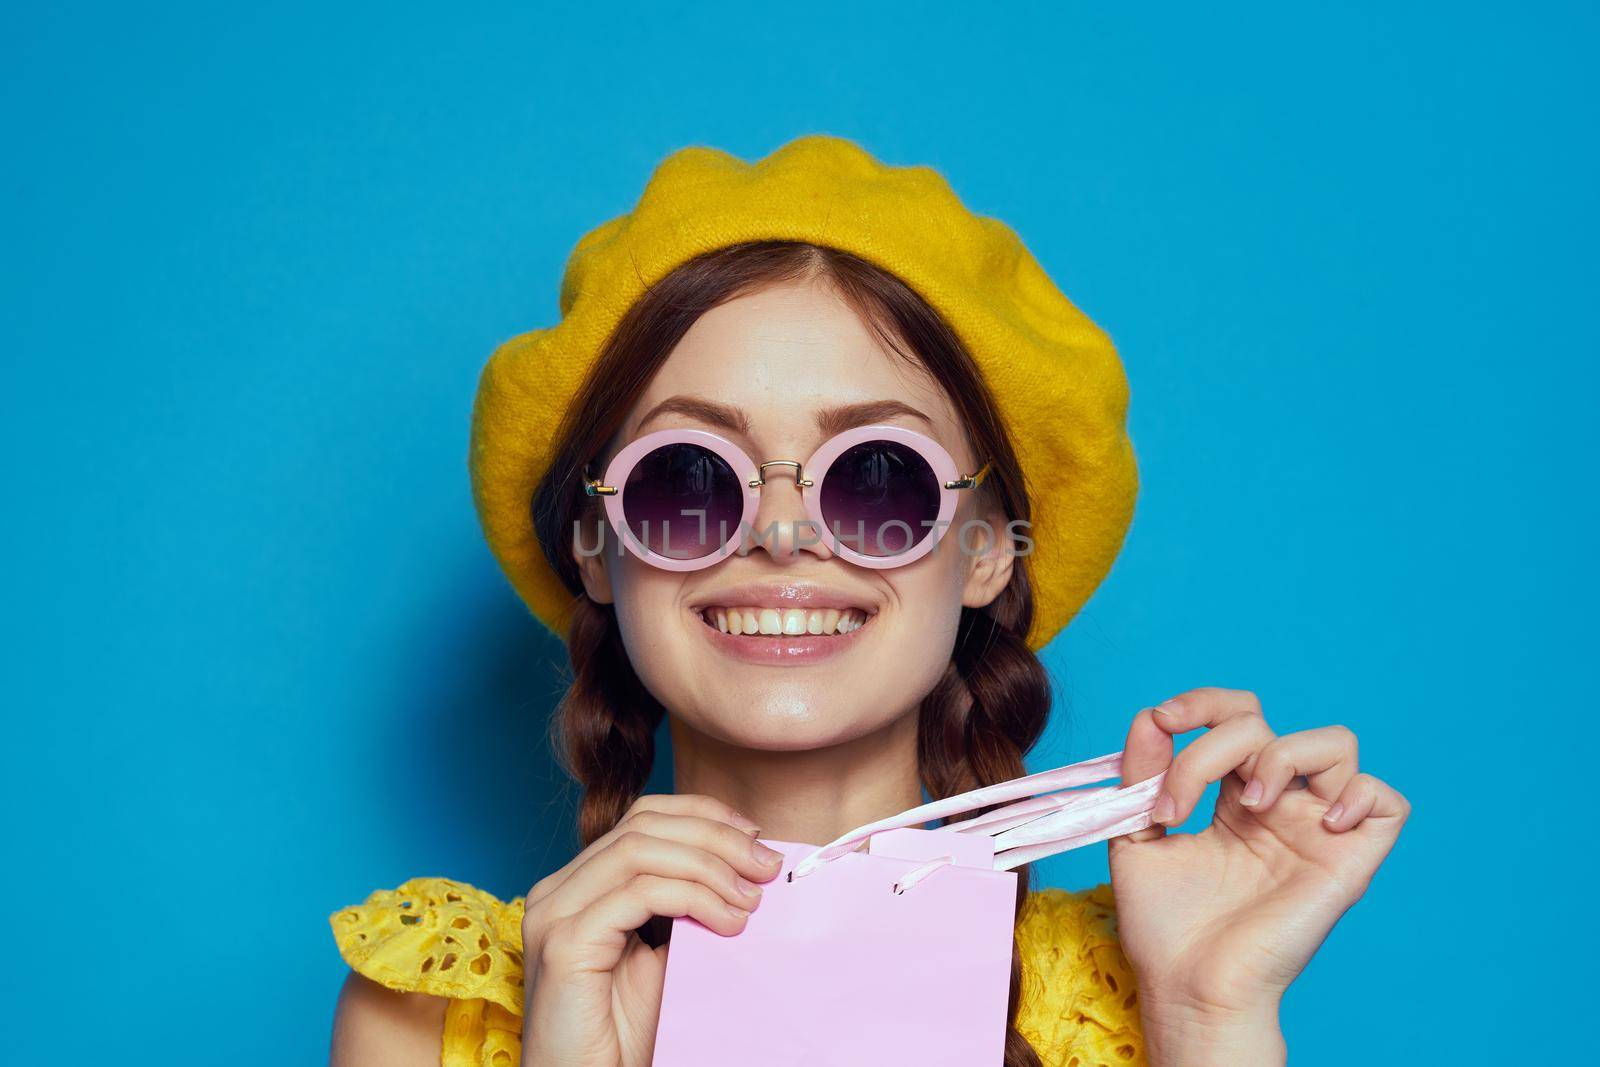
683 500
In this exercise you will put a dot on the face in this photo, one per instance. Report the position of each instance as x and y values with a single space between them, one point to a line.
777 372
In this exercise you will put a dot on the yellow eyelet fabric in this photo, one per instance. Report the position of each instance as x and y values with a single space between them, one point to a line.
1079 1006
450 940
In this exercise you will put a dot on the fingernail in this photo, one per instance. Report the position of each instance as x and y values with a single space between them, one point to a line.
744 824
765 856
749 888
738 913
1167 709
1334 812
1252 793
1165 809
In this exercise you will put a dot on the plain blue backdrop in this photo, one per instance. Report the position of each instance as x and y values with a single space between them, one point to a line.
257 661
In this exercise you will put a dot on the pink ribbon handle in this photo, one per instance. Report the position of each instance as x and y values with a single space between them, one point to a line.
1045 813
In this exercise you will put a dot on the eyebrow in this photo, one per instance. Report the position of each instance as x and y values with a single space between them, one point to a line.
701 410
830 421
837 420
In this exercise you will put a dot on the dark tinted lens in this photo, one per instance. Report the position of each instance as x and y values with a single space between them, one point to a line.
683 501
880 498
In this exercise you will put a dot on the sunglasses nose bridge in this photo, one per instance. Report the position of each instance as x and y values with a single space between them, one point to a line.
800 479
783 526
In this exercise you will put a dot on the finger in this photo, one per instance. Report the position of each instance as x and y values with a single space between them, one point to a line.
1205 707
1365 797
1328 757
633 854
689 805
630 906
595 937
749 858
1209 758
1146 753
694 804
745 854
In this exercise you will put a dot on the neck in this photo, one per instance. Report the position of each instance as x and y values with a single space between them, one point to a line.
811 796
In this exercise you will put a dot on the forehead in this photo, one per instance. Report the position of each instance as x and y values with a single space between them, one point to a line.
783 353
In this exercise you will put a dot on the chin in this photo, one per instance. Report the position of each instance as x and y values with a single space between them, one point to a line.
792 723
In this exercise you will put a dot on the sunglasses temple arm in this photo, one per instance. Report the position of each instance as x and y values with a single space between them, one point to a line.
971 481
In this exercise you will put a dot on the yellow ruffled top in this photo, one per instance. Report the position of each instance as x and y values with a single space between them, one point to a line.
450 940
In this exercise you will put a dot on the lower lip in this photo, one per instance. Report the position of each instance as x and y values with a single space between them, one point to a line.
793 651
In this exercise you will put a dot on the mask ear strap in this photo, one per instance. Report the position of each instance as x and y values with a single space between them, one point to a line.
1027 790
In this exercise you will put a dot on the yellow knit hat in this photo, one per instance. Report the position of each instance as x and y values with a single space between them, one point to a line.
1055 375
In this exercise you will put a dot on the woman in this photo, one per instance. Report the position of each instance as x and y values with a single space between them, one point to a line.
811 339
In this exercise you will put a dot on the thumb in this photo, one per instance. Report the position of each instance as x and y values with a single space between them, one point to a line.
1146 753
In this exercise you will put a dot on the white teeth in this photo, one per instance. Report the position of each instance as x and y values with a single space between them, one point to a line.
789 622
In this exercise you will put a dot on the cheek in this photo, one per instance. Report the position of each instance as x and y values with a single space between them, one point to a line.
927 613
646 602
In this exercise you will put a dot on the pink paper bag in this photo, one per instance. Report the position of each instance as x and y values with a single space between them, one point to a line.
838 968
901 954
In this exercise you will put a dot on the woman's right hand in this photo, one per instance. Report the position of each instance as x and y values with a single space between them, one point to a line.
593 988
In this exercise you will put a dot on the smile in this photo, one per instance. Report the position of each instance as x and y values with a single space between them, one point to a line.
784 622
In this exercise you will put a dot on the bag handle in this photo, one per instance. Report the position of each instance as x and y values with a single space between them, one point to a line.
1038 820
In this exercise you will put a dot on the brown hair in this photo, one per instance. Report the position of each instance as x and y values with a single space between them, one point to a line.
988 708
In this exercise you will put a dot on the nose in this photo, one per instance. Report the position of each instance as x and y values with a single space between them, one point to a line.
782 529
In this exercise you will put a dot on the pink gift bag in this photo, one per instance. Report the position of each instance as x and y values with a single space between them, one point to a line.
898 954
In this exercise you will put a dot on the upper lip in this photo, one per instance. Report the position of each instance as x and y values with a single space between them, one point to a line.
784 594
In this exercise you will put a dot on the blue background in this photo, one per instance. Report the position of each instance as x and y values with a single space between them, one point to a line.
257 661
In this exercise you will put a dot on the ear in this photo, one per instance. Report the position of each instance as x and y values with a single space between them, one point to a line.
989 559
592 569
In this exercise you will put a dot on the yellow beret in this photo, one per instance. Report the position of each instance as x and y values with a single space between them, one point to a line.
1054 374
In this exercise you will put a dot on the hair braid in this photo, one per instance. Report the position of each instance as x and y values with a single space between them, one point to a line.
605 725
985 714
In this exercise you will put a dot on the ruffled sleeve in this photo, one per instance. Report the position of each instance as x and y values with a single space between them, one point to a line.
1079 1006
445 939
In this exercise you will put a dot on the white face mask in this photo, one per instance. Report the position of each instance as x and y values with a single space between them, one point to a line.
1044 814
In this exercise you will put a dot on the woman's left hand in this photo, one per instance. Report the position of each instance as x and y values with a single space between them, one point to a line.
1217 923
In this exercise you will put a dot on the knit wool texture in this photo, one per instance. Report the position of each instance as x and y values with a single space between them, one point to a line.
1055 375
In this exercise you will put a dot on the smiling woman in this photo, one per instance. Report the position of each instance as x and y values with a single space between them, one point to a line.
780 432
818 340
